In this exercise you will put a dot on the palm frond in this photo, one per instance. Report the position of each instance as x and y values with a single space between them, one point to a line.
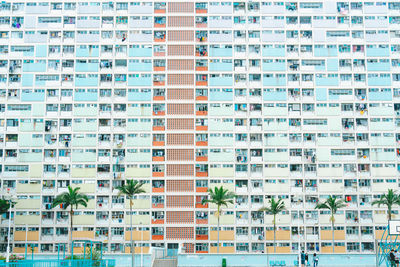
275 207
70 198
130 189
219 196
4 206
332 204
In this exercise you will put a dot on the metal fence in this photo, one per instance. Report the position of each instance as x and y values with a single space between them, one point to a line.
60 263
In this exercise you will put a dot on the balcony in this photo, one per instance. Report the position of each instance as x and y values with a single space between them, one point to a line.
201 189
158 189
159 37
157 221
199 205
201 237
158 174
157 237
201 173
158 158
159 205
201 158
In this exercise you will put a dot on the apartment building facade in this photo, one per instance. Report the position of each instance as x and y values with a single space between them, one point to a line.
287 99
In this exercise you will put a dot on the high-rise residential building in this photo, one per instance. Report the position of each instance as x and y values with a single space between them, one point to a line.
296 100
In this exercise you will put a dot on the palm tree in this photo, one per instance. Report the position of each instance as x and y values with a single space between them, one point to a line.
130 189
70 199
389 199
4 205
219 197
274 208
332 204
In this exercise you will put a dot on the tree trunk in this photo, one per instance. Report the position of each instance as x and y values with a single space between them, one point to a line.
132 248
70 234
218 232
390 213
333 234
274 234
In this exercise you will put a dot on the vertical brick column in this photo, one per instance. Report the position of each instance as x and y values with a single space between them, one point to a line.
180 167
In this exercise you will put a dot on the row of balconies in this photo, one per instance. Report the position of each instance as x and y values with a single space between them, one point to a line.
157 202
240 51
234 95
13 140
226 94
202 170
225 247
215 113
227 154
227 110
160 37
238 218
259 125
17 135
341 8
123 22
201 80
202 233
214 65
239 186
214 158
290 198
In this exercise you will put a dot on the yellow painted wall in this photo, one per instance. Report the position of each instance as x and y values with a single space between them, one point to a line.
27 219
27 204
22 250
84 219
138 172
214 207
90 205
327 235
137 235
78 250
223 235
325 218
221 172
36 170
337 249
280 219
137 219
83 234
30 236
278 249
83 172
379 233
29 188
224 219
273 188
280 235
85 188
222 249
139 204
